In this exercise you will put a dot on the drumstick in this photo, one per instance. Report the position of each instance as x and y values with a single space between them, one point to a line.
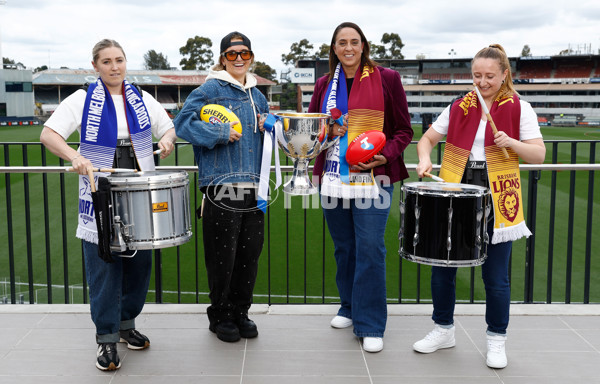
157 152
108 170
91 176
434 177
489 117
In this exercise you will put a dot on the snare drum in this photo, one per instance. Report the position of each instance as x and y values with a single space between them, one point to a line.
150 210
444 224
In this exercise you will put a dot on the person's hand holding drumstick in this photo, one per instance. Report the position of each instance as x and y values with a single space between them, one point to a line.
489 117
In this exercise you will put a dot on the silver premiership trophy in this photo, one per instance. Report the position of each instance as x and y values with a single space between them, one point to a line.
302 137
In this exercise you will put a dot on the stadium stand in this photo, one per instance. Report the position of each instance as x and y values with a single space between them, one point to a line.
436 76
590 120
566 120
571 69
534 69
462 76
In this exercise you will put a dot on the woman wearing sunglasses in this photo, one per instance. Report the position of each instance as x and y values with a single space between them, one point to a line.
228 176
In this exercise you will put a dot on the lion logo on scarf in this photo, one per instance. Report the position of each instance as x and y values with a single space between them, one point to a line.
509 204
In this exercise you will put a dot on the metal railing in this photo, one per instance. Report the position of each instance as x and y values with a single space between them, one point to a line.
41 259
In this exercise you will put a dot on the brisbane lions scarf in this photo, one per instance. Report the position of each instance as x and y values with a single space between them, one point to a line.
503 174
99 139
365 109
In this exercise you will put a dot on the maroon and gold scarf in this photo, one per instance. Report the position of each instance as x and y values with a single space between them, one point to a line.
503 174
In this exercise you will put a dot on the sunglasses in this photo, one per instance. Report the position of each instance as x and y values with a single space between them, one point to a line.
232 55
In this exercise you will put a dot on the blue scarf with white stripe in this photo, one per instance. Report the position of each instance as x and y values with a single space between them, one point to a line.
99 140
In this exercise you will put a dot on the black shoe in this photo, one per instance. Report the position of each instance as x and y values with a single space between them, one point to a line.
134 339
107 358
226 331
247 327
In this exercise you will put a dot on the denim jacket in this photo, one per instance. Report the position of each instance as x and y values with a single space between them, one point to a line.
220 161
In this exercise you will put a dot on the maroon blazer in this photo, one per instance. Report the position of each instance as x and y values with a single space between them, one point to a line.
396 125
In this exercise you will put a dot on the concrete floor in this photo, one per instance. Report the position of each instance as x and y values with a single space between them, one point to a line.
55 344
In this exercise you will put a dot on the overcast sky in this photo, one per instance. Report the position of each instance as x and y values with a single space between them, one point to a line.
62 32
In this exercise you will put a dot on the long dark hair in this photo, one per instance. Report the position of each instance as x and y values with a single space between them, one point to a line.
364 57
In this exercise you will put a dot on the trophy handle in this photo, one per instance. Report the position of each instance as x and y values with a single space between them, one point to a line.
329 143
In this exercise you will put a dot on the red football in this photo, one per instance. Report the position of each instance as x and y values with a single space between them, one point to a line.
364 147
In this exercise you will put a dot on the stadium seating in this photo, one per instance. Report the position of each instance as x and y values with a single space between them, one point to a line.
535 69
566 120
462 76
570 69
436 76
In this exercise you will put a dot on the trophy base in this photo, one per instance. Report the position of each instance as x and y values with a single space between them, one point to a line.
299 187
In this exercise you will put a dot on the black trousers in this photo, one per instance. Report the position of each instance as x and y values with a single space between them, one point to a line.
233 233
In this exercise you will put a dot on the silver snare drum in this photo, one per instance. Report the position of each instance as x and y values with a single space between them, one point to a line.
444 224
150 210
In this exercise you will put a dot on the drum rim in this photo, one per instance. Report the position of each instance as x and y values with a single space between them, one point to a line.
468 189
149 177
442 263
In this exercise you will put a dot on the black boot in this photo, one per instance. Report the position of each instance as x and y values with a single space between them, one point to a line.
225 330
247 327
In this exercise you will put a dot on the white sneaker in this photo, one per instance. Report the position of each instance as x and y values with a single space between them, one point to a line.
496 352
372 344
436 339
341 322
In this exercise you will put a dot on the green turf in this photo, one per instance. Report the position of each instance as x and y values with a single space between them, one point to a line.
293 267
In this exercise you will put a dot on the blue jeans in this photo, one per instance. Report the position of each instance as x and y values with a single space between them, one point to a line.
497 289
117 290
357 227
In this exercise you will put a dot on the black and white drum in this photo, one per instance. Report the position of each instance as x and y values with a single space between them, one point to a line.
150 210
444 224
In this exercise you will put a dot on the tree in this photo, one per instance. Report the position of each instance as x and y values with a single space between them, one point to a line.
288 98
6 60
200 54
393 44
39 69
323 51
264 70
155 60
299 50
377 51
526 52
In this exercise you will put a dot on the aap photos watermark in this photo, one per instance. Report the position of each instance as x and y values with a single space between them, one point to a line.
230 194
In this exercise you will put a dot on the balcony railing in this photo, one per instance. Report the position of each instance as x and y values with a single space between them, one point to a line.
41 261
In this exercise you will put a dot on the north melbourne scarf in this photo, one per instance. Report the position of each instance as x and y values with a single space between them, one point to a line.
99 139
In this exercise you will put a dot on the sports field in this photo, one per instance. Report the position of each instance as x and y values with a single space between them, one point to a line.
298 252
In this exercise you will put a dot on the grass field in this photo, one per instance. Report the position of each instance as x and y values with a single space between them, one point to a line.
294 267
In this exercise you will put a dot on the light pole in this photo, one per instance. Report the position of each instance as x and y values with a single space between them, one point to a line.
2 2
452 54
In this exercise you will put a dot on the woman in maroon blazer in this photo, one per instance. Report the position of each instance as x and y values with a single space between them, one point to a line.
356 198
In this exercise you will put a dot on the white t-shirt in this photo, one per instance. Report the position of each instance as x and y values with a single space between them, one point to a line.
66 119
529 129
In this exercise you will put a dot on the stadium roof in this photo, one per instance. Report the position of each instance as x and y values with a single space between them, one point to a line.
81 76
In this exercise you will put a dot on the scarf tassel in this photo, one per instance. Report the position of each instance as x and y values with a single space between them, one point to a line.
502 235
87 235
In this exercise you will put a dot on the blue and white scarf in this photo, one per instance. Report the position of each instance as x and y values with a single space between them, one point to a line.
99 139
339 179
